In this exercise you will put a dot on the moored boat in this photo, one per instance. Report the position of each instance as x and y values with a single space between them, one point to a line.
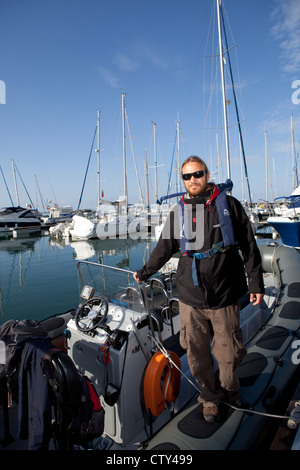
57 215
288 229
17 217
124 338
265 373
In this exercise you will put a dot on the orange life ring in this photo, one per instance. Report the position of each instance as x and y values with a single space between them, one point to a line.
154 396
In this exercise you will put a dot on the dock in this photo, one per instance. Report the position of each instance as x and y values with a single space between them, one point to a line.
25 231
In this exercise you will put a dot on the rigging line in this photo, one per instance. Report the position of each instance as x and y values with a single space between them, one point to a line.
6 186
236 55
236 408
151 140
165 353
133 154
211 32
114 119
53 194
236 109
209 104
41 197
86 171
169 182
24 185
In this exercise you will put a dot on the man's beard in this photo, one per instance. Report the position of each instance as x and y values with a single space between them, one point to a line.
195 190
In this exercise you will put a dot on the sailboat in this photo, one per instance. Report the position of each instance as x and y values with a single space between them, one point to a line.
121 220
112 219
224 58
123 339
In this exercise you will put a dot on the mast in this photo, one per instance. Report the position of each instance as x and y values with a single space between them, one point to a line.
15 181
124 150
236 108
219 160
98 155
178 155
275 184
134 160
35 190
155 162
293 156
147 177
266 157
223 89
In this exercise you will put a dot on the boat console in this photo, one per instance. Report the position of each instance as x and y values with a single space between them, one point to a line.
115 332
112 337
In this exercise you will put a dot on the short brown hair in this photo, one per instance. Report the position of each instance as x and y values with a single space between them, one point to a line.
194 158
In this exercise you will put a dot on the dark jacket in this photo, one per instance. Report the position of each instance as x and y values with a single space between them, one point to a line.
221 278
34 410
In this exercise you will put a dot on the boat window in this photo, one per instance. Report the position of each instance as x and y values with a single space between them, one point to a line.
27 215
10 210
116 284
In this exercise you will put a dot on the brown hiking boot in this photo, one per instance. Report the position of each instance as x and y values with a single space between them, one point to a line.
211 413
233 398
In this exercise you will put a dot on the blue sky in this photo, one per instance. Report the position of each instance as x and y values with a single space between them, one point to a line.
62 60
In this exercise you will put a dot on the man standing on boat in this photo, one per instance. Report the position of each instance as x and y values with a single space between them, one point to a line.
209 228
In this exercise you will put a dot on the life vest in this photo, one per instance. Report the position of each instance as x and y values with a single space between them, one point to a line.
225 225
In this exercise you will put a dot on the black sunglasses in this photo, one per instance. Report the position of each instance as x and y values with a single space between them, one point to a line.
196 174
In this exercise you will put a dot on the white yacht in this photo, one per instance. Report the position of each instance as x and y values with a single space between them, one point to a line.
17 217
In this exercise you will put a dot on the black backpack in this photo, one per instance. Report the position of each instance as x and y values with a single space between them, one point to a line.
79 413
90 422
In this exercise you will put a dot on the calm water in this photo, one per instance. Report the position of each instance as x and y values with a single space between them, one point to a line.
38 275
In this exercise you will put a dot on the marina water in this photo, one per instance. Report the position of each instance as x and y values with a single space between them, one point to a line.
39 278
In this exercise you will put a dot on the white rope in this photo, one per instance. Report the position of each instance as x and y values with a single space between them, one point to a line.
167 355
294 420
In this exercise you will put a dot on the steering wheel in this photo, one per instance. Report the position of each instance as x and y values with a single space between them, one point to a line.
92 314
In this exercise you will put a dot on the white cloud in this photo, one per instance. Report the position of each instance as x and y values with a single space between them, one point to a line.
286 29
155 59
122 62
109 77
125 63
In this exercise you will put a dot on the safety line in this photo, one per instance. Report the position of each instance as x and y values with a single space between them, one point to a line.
292 416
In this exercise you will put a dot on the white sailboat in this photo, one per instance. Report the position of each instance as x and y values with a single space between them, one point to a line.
119 220
112 219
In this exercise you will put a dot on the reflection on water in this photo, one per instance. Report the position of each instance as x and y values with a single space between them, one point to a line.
38 275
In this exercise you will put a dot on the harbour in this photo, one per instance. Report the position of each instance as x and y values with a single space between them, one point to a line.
48 280
39 278
97 356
